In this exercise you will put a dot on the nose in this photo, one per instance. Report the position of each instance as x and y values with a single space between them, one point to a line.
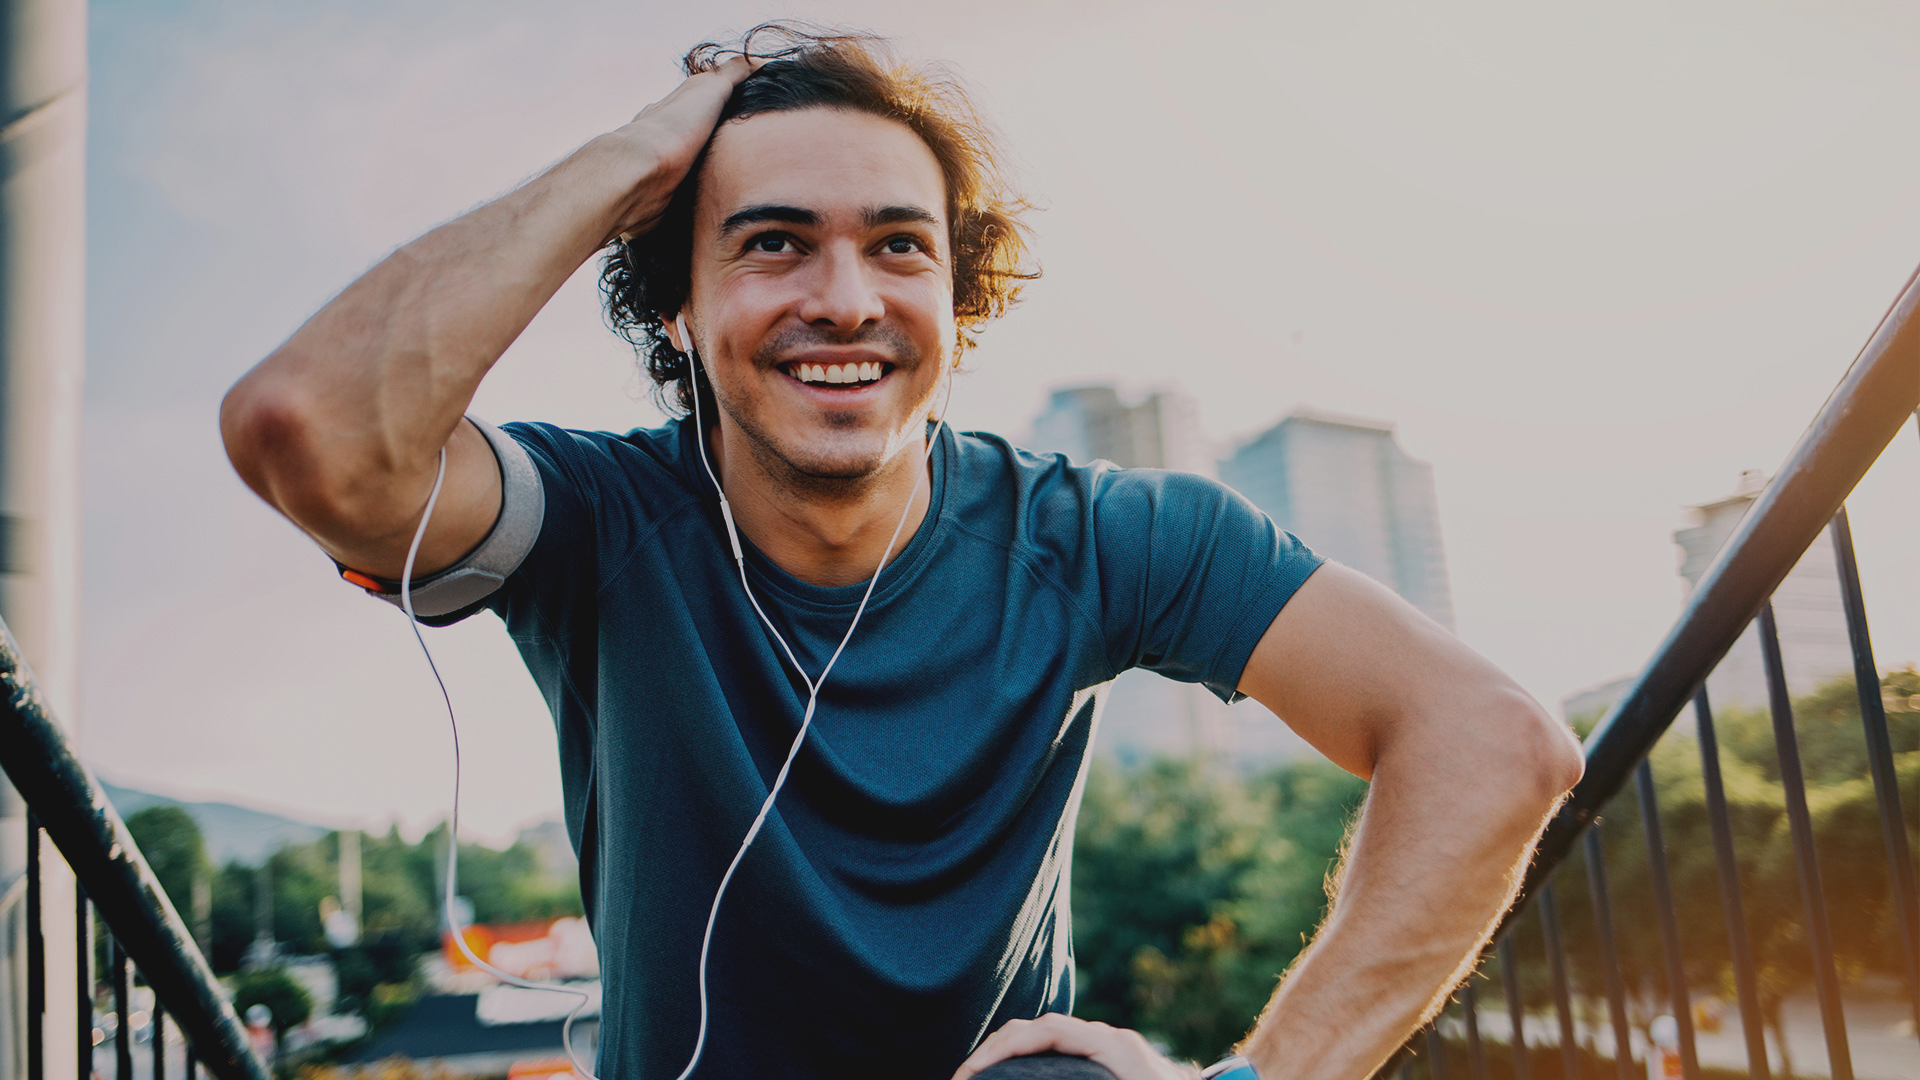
843 294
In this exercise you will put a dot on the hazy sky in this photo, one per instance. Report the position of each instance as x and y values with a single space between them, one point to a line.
1593 263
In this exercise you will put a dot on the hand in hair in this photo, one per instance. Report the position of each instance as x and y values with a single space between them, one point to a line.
341 428
671 133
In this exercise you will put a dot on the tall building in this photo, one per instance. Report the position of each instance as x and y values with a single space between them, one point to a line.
1345 487
1806 606
1342 485
1144 714
1090 423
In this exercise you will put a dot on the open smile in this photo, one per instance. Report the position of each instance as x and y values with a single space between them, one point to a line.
849 376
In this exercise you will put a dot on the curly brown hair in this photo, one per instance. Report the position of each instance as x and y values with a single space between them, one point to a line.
645 280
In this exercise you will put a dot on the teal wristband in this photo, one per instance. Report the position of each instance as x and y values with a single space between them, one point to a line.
1233 1068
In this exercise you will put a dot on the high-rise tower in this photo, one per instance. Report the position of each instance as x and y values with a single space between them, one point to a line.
1345 487
1806 606
1091 423
1144 713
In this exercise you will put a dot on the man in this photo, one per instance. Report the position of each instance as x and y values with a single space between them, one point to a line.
800 247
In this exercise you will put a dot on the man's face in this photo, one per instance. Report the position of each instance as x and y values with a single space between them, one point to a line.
820 252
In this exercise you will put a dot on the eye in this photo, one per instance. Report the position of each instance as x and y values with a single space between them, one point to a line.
903 245
774 242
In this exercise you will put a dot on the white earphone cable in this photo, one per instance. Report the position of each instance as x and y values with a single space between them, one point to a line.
813 683
773 793
453 823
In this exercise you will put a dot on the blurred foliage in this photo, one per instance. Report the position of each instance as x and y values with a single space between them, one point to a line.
1847 836
279 991
400 887
1193 888
391 1000
175 851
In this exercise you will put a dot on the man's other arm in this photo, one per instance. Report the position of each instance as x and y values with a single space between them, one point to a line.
1465 769
341 427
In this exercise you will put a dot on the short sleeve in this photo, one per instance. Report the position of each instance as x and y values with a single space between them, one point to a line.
450 594
554 586
1191 575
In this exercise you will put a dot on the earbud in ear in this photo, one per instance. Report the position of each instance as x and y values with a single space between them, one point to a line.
686 339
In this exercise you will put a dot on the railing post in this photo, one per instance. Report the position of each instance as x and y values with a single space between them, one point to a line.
1739 945
1609 955
1886 784
36 959
1516 1011
1826 980
1476 1054
1659 874
1562 995
83 979
1436 1052
122 1022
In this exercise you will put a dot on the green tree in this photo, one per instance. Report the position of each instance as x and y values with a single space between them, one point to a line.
1194 889
171 842
280 992
1847 835
400 903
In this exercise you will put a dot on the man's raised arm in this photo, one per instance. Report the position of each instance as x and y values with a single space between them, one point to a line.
341 427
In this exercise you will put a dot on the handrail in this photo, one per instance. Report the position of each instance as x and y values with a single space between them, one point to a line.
1864 414
83 823
1866 411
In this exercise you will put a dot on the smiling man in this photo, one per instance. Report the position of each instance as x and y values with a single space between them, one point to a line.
801 247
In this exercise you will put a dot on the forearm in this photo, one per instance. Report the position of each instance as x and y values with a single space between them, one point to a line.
358 402
1434 860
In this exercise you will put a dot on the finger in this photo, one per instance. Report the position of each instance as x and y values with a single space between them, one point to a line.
1018 1038
732 73
737 69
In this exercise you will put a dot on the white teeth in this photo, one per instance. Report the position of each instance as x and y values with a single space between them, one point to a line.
862 372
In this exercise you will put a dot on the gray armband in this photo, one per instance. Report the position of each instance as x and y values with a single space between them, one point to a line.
523 506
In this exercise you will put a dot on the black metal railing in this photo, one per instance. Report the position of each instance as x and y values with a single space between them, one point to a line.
66 805
1868 410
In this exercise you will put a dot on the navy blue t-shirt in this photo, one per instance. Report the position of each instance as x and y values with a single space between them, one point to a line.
909 893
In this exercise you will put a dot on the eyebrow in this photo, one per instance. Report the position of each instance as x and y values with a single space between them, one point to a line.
755 215
873 217
898 215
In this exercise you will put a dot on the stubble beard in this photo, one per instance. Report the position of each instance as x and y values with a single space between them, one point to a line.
829 476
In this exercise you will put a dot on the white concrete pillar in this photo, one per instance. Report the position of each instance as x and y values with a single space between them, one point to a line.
43 60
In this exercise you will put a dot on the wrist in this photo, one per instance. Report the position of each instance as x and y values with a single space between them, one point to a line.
638 175
1261 1051
1233 1068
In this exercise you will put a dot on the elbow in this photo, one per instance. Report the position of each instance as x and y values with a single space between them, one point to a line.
1548 758
274 436
258 425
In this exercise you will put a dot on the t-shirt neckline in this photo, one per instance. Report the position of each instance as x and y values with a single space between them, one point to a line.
767 574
